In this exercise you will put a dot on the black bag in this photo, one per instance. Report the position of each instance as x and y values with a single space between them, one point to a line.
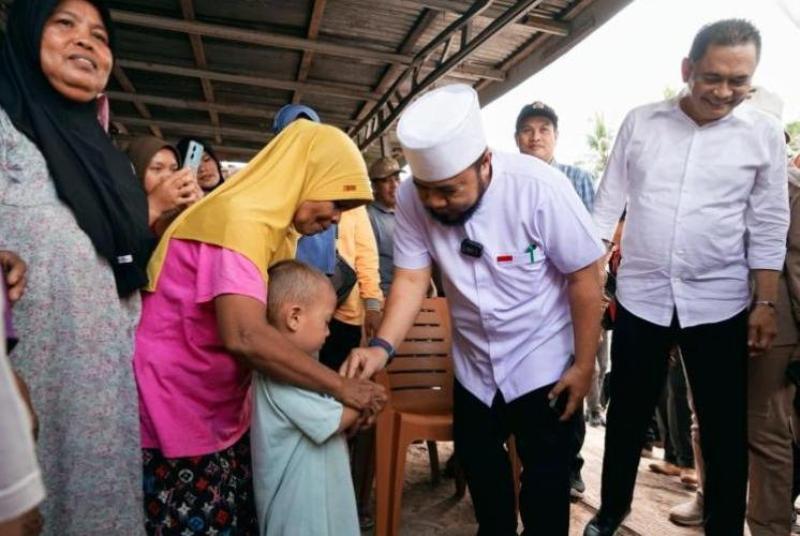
610 314
343 279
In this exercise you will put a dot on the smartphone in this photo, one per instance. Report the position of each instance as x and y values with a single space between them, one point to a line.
193 156
559 403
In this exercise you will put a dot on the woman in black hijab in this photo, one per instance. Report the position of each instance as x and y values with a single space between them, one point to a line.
72 207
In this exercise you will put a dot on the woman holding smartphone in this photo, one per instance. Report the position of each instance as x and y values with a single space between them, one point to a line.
169 189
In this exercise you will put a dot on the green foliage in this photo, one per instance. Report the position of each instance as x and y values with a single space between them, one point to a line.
670 93
599 141
794 131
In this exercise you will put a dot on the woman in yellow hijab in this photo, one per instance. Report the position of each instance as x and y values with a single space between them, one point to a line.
204 328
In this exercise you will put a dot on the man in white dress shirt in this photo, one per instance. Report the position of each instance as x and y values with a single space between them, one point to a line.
704 181
518 255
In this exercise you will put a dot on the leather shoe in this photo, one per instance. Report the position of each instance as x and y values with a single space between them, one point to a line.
601 525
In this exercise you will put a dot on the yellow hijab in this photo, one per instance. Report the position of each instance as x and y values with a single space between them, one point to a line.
252 212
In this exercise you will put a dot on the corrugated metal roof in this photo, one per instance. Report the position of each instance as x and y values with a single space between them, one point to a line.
220 69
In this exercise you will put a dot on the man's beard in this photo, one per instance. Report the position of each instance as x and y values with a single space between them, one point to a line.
463 217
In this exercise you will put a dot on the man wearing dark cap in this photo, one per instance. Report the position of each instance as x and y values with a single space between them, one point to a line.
537 134
384 174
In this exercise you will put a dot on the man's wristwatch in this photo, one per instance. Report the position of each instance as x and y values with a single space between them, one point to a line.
382 343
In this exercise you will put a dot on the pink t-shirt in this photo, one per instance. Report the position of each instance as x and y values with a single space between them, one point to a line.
194 397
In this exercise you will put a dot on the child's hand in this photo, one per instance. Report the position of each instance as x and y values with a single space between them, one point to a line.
361 394
365 420
14 270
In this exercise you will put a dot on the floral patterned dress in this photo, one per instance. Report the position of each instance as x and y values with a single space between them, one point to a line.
75 352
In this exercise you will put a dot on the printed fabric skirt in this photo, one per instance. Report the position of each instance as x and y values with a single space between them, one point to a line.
209 495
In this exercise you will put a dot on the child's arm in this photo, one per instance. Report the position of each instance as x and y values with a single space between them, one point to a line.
349 418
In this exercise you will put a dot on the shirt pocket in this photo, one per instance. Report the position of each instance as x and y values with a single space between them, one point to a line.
526 260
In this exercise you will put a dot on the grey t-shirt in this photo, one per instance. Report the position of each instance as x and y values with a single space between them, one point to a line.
301 468
382 220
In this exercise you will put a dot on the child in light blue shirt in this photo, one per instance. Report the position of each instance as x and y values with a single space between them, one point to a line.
301 468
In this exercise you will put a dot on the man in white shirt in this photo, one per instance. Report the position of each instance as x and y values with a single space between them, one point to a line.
518 255
704 181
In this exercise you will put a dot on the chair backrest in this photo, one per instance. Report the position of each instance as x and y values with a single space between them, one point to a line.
420 377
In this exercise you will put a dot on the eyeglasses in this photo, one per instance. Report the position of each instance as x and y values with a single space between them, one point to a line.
736 83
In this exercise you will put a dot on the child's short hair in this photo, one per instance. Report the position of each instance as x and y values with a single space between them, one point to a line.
293 281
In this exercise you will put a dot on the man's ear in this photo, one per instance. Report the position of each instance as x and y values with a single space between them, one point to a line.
686 69
293 313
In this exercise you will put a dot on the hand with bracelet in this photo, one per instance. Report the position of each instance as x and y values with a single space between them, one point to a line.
762 325
363 363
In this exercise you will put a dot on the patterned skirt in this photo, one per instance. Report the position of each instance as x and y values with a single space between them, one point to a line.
209 495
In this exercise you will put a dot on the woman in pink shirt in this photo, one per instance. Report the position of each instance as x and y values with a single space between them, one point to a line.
204 327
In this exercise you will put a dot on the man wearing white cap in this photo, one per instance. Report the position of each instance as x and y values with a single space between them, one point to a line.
518 256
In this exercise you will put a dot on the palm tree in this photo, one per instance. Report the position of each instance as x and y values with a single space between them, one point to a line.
794 131
600 144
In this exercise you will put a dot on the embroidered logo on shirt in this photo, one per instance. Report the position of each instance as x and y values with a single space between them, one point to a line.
530 251
505 258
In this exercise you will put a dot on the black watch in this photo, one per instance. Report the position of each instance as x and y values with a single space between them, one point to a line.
377 342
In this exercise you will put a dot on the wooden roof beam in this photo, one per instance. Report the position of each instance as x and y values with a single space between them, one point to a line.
220 150
308 55
258 37
197 129
547 26
126 137
127 85
187 8
345 91
202 106
374 118
423 24
376 123
540 24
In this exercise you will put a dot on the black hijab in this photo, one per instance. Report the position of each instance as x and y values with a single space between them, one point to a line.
183 145
91 176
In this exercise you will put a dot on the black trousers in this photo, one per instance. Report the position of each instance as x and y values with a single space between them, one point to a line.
343 338
715 357
543 444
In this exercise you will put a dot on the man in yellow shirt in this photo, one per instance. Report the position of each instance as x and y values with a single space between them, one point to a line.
356 245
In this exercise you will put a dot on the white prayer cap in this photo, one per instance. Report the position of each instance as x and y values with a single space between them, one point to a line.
442 132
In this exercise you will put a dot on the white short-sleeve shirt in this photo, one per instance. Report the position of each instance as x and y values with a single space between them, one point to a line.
512 329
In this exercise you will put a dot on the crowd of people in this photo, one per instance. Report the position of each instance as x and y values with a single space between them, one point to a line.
193 354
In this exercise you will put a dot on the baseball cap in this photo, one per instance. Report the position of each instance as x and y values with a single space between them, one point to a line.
290 112
537 109
383 167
